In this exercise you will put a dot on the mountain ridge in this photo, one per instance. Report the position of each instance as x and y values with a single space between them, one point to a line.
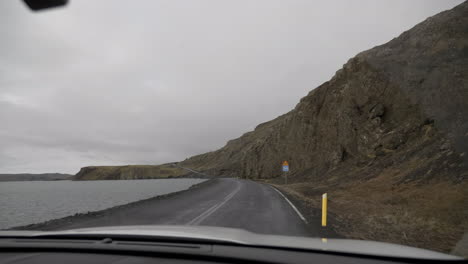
35 176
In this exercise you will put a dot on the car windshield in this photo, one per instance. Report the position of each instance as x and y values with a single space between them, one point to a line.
318 119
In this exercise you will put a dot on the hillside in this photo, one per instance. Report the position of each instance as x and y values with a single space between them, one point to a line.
386 137
35 177
129 172
409 95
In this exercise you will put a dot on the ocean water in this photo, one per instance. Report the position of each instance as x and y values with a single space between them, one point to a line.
23 203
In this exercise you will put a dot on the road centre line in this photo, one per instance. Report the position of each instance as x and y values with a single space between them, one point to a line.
197 220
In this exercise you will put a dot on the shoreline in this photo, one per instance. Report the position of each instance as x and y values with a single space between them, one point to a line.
56 224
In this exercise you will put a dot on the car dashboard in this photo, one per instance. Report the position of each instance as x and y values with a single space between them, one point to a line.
124 250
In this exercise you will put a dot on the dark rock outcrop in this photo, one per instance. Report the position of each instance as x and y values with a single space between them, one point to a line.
406 100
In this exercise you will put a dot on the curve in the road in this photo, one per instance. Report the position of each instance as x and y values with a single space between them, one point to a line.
225 202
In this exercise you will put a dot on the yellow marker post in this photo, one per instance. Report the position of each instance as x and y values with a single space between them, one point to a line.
324 209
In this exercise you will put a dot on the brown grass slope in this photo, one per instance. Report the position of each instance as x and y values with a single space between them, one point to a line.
387 137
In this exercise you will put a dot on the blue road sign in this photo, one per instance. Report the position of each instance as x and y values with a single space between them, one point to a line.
285 168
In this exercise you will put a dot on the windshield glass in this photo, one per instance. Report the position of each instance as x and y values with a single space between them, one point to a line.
322 119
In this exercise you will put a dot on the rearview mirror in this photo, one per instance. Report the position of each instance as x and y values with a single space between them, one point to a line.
44 4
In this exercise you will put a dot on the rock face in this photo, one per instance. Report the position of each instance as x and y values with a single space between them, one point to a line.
402 102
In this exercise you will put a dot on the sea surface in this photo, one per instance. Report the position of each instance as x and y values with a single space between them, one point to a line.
23 203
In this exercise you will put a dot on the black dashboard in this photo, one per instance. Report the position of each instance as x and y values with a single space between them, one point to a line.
71 251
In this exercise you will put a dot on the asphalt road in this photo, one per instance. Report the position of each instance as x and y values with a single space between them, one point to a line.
221 202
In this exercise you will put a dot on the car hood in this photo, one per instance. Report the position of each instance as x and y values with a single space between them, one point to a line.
242 237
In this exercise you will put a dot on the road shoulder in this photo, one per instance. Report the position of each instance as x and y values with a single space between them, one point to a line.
313 215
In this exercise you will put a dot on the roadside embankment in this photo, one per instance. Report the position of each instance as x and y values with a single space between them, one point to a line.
429 216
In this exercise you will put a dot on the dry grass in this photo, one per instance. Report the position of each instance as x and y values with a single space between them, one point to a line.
432 216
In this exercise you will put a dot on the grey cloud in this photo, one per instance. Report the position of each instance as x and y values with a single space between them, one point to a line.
121 82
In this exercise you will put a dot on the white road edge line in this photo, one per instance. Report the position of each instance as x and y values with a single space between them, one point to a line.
197 220
291 204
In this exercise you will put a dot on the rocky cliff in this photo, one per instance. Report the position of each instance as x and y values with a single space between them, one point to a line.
401 101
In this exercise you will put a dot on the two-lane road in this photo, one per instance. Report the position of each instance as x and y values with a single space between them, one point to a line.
225 202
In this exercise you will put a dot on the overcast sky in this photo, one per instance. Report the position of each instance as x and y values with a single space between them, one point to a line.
147 82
